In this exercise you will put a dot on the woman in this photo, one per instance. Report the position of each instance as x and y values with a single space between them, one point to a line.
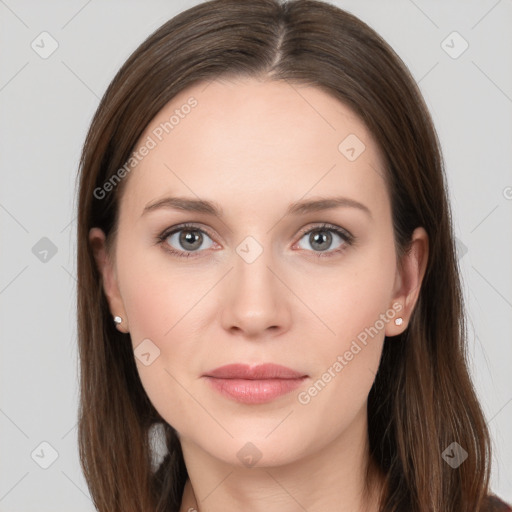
267 271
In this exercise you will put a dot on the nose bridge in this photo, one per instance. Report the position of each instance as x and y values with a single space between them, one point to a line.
252 264
254 298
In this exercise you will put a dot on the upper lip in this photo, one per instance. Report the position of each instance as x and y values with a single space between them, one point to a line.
262 371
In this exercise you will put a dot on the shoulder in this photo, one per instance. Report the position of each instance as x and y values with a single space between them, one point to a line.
493 504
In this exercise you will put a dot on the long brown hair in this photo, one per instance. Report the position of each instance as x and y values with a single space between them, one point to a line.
422 399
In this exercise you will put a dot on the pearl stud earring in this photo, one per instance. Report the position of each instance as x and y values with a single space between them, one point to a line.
118 320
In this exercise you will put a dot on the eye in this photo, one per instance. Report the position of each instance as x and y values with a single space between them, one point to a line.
187 239
184 240
321 238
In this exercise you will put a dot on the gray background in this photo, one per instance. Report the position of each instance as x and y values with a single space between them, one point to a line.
46 105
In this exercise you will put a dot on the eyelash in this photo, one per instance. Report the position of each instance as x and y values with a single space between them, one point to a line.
344 235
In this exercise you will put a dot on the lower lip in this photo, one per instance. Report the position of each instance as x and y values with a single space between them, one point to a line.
254 391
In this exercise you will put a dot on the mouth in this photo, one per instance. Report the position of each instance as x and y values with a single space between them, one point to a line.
254 385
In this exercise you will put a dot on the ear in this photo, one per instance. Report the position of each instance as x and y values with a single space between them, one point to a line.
109 277
408 281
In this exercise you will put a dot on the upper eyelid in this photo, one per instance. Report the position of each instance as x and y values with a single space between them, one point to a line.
180 227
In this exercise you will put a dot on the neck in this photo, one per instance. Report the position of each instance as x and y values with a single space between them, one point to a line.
340 477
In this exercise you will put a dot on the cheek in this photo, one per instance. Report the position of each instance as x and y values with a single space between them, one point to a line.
155 293
354 308
345 363
163 307
350 299
161 344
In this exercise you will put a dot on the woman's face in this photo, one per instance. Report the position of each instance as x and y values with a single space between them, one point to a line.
264 281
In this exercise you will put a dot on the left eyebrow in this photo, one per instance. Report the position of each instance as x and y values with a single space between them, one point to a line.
296 208
307 206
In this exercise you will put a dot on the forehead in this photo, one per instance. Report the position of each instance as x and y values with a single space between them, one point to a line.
245 139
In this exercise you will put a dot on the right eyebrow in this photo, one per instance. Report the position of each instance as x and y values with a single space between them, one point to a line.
186 204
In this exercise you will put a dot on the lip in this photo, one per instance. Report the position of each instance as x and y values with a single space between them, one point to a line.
261 371
254 384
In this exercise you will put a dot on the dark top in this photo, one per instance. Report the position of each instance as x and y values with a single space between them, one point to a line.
494 504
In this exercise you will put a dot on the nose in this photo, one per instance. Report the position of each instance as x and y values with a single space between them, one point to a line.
255 302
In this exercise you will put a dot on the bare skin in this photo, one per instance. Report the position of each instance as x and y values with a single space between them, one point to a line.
254 148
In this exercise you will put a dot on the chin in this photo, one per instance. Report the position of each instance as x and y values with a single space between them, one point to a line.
256 451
